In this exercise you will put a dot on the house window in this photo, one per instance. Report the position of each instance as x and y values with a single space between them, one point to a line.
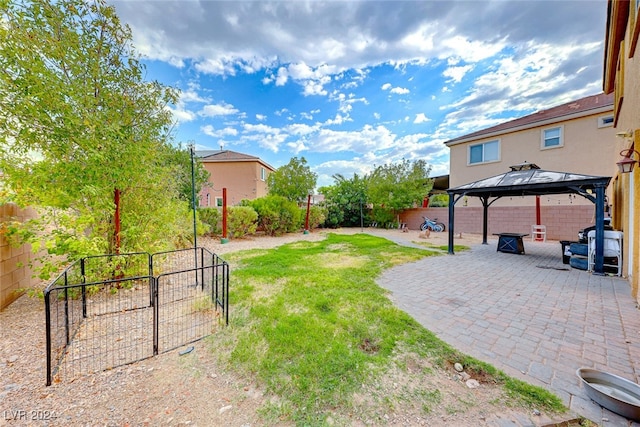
208 199
605 121
219 202
552 138
485 152
263 174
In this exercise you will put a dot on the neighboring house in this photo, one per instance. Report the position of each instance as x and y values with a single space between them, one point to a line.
575 137
622 79
244 177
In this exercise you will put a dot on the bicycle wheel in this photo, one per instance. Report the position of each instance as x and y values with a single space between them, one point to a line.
423 226
441 226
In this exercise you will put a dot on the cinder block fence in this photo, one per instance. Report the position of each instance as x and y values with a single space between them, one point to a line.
15 273
562 222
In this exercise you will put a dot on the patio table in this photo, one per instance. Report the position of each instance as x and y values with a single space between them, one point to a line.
510 242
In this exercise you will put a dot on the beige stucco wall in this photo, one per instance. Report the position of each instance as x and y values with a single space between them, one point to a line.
241 179
587 149
15 275
629 120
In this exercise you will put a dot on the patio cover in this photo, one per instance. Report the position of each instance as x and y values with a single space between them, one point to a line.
527 179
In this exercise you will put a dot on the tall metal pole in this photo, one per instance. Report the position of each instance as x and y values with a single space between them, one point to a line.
193 197
193 205
306 219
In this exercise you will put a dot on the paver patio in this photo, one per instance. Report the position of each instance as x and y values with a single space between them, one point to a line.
531 316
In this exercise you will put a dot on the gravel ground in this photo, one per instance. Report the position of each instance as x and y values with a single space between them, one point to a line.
194 390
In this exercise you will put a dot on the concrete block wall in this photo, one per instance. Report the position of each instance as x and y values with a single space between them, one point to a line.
15 273
563 222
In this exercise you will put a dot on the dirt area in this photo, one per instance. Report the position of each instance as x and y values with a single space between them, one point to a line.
194 389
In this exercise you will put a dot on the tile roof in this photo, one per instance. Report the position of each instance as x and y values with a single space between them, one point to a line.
224 156
578 108
220 156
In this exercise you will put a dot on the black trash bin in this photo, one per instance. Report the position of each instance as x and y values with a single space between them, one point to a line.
566 253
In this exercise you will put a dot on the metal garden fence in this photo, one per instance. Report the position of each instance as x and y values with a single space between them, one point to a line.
112 310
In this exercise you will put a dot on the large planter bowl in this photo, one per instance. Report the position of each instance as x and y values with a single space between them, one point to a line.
615 393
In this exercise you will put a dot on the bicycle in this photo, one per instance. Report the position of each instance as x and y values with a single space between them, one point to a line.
432 224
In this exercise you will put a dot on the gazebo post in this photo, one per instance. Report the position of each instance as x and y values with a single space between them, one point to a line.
598 267
451 209
485 218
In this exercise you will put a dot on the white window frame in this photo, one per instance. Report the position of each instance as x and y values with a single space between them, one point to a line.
219 202
543 139
605 121
263 174
483 161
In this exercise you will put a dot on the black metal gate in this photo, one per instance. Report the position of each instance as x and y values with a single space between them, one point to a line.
149 305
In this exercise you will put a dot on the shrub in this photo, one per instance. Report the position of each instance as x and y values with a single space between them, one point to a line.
316 216
383 216
211 217
242 220
439 200
333 215
277 215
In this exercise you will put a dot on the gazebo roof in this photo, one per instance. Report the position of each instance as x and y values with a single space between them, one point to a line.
528 180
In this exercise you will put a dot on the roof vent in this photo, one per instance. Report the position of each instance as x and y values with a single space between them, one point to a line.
524 166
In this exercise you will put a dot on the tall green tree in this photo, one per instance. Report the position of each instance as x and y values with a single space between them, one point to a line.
79 125
294 181
344 200
397 186
179 158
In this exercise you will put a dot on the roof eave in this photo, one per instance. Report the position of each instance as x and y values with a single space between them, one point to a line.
532 125
617 18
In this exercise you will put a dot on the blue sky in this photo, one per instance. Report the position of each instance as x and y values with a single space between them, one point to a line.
354 84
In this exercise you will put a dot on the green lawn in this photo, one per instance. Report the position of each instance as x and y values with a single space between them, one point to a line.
310 323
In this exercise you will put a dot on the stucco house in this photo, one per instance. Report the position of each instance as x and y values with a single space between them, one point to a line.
244 176
576 137
622 80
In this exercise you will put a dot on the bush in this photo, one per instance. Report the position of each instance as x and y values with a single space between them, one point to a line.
383 216
439 200
277 215
316 216
333 215
211 217
242 221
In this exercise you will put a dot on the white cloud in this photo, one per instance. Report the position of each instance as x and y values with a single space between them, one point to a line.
472 50
396 90
301 129
421 118
282 76
312 87
400 90
221 133
455 74
222 109
191 95
261 117
182 115
296 147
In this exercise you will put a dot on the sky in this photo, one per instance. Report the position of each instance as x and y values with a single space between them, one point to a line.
350 85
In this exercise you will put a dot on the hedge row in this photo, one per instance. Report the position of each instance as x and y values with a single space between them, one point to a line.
273 215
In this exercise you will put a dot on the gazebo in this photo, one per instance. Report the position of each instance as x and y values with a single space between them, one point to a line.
527 179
